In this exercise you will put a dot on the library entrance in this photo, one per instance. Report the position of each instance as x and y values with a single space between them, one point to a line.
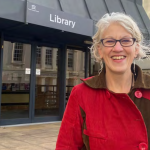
37 79
41 59
29 83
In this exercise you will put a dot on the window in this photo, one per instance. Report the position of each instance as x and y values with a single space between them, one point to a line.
38 55
18 52
48 60
70 59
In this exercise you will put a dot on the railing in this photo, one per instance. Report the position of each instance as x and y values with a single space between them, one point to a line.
47 96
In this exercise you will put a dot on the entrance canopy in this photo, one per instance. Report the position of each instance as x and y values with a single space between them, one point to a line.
63 21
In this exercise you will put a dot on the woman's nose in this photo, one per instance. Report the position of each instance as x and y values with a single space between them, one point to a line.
118 47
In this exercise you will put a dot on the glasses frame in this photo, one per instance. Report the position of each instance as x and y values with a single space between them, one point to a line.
117 41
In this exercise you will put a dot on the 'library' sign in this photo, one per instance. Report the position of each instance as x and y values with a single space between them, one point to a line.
57 19
44 16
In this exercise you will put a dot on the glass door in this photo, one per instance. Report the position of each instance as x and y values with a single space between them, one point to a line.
46 94
15 80
75 69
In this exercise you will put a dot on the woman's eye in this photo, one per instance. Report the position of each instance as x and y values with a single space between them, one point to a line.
110 41
125 41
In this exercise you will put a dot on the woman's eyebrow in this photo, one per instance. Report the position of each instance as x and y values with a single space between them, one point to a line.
109 37
127 36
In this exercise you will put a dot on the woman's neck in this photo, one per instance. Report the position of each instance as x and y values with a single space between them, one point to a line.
119 83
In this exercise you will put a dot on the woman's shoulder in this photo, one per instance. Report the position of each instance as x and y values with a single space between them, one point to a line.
89 83
146 80
147 74
83 85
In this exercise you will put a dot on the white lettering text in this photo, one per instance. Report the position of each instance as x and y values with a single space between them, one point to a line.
57 19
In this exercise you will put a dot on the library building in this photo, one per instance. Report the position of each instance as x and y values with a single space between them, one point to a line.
44 52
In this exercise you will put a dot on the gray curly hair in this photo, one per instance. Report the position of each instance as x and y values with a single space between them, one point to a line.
128 23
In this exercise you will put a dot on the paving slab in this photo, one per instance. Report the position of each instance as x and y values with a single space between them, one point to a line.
29 137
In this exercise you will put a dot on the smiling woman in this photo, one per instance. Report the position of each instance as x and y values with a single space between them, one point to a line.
117 54
114 105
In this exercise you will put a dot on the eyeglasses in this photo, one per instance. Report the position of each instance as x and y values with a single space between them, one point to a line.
125 42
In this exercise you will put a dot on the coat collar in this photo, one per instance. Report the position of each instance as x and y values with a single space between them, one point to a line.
99 81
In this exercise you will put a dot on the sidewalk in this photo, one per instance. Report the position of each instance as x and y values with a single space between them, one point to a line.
30 137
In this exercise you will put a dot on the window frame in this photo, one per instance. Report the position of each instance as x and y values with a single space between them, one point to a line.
13 53
50 58
72 59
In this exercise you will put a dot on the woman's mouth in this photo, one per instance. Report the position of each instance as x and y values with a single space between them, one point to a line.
118 57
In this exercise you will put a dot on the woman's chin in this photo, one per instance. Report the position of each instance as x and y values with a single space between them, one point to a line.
118 70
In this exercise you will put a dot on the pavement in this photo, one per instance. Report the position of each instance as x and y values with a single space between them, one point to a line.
29 137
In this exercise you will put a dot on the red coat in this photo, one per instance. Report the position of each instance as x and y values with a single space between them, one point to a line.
98 119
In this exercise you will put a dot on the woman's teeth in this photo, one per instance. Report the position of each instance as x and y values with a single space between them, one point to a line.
118 57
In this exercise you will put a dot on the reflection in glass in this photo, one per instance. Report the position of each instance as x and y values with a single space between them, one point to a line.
15 80
75 69
46 98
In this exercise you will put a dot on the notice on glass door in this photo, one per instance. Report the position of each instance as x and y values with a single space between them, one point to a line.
38 71
27 71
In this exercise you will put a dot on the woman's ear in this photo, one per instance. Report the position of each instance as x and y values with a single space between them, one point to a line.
137 49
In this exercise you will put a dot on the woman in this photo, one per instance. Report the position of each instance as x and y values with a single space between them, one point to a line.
110 111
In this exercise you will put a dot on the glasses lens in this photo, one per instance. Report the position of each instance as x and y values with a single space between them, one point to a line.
127 42
109 42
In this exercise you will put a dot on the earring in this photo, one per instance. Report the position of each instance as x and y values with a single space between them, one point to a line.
134 67
101 67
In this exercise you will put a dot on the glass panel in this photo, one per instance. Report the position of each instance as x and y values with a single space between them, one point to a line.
15 80
46 98
93 66
75 69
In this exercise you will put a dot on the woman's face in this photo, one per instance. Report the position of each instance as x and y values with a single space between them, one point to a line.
118 59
